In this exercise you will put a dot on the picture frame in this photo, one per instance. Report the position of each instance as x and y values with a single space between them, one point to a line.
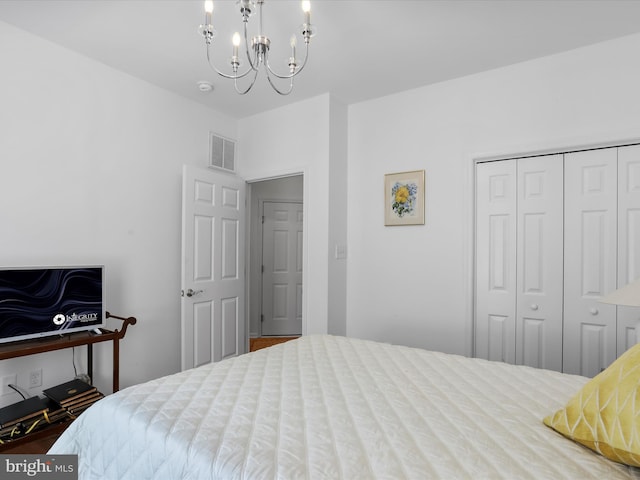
404 198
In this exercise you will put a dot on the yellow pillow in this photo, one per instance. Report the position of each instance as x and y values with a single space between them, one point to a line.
605 415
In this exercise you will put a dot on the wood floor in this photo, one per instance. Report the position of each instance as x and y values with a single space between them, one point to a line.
264 342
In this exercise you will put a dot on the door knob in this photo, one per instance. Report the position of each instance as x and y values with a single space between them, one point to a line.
593 311
191 292
534 306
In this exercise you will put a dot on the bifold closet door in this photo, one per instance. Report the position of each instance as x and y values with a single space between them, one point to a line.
539 262
495 254
591 218
628 241
519 229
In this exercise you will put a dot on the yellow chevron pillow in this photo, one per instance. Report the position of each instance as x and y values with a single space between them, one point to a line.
605 415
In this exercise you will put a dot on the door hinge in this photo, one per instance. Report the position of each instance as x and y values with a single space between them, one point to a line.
262 268
262 218
261 317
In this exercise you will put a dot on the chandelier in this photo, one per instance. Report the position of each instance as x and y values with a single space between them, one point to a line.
257 50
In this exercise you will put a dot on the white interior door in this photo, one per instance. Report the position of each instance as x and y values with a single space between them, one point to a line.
539 262
495 261
590 260
282 268
213 285
628 241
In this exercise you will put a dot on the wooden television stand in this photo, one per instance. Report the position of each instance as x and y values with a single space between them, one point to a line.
49 344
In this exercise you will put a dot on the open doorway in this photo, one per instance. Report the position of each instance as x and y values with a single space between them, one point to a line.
275 254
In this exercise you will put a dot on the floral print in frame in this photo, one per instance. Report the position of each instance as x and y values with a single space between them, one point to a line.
404 198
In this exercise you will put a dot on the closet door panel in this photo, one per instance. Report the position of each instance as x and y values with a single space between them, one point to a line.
590 260
628 328
539 262
628 241
495 261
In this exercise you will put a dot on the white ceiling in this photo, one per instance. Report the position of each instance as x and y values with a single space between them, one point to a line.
363 49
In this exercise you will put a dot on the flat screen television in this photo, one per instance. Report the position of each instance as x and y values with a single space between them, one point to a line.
43 301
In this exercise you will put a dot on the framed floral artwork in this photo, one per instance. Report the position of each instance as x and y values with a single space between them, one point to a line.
404 198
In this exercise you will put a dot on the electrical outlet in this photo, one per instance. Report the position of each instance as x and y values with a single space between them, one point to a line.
35 378
6 380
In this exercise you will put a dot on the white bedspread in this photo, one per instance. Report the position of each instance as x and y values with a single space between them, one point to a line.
325 407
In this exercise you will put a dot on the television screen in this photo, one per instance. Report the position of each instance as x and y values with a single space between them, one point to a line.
41 301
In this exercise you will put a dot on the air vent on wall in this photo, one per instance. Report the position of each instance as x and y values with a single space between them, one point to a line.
221 152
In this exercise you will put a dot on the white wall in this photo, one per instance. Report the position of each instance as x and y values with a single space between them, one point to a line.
412 285
338 249
90 172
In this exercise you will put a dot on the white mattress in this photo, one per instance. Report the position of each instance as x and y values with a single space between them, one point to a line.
325 407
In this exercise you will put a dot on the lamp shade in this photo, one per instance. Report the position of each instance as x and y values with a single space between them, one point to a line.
628 295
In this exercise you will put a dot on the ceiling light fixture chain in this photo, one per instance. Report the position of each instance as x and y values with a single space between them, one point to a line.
257 48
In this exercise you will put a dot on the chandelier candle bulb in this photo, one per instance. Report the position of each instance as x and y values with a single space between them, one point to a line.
208 11
236 43
293 46
306 8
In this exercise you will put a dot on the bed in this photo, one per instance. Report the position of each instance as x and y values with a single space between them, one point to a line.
328 407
